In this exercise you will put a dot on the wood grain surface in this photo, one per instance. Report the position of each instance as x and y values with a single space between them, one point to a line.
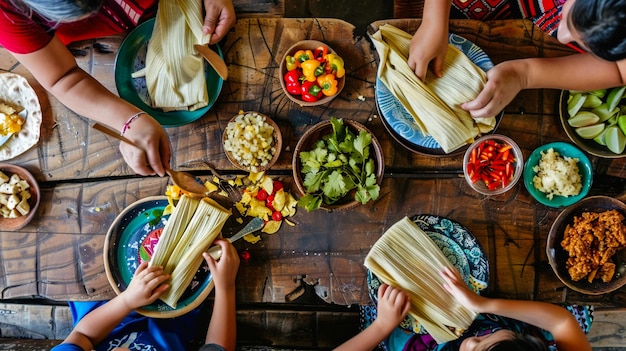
86 183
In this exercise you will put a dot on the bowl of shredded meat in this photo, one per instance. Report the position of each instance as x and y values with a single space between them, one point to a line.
586 245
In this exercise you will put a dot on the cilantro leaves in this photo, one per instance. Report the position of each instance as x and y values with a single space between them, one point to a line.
339 163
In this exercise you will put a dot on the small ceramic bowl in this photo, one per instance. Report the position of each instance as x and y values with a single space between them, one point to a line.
472 173
254 165
307 142
564 149
35 194
307 45
557 256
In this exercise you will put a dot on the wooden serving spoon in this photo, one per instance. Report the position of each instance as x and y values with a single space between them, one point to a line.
184 180
213 58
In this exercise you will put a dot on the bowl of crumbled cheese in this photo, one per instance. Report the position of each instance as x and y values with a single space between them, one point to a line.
558 174
252 141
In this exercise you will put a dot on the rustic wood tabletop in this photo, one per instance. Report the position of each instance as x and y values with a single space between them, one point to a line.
86 184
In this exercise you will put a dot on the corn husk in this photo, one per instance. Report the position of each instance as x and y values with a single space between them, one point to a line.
406 257
189 231
174 70
435 104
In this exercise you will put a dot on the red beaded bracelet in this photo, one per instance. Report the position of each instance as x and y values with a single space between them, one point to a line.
129 121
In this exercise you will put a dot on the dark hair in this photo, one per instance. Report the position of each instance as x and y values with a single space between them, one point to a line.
520 342
602 27
62 10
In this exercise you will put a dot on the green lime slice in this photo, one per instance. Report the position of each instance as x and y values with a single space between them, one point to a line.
590 132
615 139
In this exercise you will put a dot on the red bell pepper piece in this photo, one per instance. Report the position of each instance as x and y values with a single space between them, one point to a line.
320 53
311 92
292 82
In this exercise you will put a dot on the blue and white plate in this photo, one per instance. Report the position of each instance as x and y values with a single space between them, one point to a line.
458 245
400 123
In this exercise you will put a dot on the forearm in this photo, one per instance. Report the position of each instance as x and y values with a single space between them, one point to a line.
368 339
437 13
575 72
98 324
223 325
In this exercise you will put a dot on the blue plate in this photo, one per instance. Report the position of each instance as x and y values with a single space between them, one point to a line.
458 245
400 123
129 241
564 149
131 58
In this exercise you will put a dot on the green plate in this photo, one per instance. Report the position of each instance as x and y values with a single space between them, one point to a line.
131 57
131 239
564 149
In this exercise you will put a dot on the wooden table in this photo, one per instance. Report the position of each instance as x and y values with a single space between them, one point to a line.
85 183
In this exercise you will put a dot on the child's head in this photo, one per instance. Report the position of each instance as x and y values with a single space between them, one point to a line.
503 340
601 26
62 10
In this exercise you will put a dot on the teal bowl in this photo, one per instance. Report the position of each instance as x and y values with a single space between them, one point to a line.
564 149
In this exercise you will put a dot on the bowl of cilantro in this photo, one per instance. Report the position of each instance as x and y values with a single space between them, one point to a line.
337 165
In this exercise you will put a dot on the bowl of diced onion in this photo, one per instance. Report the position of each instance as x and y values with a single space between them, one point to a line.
252 141
493 164
558 174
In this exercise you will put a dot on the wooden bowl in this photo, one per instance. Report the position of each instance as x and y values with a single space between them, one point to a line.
588 145
277 144
307 45
307 142
557 256
35 195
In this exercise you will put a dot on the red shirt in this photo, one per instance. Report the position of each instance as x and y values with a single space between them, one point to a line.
22 34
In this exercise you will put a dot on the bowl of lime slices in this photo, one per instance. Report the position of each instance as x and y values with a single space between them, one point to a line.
596 120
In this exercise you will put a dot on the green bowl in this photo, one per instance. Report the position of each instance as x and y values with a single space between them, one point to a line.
564 149
131 57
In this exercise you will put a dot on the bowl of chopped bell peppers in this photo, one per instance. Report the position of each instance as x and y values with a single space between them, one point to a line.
312 73
493 164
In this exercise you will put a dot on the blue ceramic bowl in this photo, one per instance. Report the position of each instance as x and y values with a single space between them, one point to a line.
564 149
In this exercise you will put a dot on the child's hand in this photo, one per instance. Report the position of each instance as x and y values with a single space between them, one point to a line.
393 305
224 271
428 47
145 287
457 287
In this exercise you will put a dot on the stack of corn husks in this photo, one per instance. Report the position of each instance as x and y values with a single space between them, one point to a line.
435 103
174 70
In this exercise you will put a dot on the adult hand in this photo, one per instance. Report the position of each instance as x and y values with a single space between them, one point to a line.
145 287
428 48
393 305
152 154
224 271
504 82
457 287
219 18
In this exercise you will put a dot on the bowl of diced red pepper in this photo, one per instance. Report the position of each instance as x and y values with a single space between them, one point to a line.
312 73
493 164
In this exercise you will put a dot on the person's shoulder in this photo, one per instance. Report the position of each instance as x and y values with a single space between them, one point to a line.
19 33
211 347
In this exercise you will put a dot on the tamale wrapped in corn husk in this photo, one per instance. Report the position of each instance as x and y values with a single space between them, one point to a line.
179 250
406 257
174 70
435 104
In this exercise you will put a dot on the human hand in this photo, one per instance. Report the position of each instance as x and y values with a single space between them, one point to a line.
504 82
224 271
393 305
145 287
152 153
428 48
457 287
219 18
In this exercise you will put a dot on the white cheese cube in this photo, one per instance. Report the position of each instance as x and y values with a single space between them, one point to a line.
24 194
3 178
23 207
14 179
13 201
22 185
14 214
7 188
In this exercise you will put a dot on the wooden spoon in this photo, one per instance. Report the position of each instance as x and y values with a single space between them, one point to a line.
213 58
183 180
